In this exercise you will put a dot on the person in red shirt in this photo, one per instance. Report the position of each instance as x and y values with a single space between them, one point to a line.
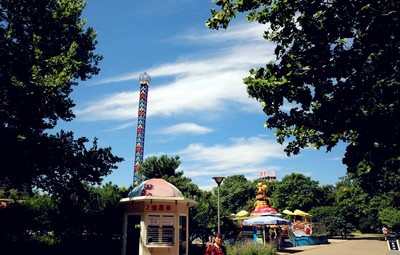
218 248
210 245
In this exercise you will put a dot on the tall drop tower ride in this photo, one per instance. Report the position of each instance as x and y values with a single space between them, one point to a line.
144 80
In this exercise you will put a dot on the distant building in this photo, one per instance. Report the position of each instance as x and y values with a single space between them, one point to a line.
268 175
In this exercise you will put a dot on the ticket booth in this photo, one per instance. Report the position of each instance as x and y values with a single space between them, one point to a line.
156 217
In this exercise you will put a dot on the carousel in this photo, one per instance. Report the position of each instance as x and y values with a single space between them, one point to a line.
264 221
305 231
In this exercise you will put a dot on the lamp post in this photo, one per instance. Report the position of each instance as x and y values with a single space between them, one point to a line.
218 180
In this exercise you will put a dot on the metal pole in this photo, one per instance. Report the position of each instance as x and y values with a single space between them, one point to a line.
218 211
218 180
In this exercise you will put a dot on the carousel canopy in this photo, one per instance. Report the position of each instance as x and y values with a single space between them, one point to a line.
296 212
242 213
266 220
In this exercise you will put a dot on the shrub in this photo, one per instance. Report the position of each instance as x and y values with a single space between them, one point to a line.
249 248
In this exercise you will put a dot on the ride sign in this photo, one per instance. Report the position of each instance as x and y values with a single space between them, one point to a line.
393 243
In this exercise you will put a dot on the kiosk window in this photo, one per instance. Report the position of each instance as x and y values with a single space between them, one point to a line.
160 230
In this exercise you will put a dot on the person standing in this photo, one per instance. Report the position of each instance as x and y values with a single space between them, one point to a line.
267 234
384 231
209 245
218 248
272 235
276 238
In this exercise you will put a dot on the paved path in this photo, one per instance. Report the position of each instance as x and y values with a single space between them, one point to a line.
343 247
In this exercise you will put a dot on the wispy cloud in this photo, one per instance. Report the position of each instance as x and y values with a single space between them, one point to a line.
202 85
335 158
244 156
236 34
241 156
186 128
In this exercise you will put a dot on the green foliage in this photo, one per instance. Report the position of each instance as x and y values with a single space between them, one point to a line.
351 201
235 193
334 220
162 167
45 49
42 224
203 217
295 191
249 248
325 195
165 168
390 217
337 68
88 213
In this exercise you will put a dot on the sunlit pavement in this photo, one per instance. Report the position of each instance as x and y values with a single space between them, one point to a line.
356 246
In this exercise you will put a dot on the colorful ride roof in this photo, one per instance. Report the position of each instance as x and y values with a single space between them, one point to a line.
296 212
266 220
263 211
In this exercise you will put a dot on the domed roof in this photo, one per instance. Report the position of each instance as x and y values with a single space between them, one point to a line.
155 188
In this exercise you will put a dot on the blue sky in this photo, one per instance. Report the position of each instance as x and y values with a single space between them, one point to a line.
198 107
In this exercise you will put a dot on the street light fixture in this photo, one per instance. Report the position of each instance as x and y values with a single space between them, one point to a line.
218 180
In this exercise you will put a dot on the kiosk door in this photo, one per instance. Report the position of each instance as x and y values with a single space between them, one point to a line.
182 235
133 235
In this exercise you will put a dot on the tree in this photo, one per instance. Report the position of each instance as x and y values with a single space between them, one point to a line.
331 216
351 203
295 191
337 68
42 224
162 167
203 217
390 217
44 50
236 193
325 195
166 168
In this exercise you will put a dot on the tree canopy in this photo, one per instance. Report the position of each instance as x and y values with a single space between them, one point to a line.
165 167
45 49
337 68
295 191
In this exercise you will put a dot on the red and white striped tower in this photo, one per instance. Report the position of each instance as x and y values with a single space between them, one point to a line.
144 80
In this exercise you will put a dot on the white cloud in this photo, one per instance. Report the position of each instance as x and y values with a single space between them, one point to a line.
236 33
201 86
335 158
243 155
183 128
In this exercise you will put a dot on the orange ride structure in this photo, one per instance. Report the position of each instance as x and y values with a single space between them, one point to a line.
263 203
262 220
298 231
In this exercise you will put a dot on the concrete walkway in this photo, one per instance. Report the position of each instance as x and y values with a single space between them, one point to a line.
357 246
